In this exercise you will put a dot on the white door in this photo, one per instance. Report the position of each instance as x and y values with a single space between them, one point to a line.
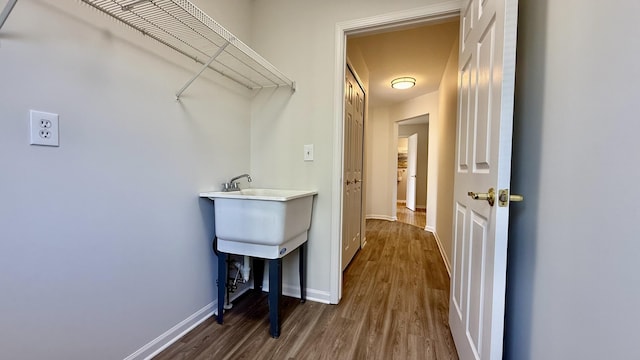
486 75
412 171
352 173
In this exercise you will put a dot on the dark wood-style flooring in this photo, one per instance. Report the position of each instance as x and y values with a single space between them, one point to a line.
394 306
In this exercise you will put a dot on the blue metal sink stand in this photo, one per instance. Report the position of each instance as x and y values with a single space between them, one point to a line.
275 284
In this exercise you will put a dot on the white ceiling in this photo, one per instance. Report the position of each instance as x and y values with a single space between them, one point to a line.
419 52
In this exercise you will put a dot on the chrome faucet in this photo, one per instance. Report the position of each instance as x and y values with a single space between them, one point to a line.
233 184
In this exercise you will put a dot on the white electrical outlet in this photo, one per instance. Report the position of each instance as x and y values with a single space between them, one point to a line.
44 128
308 152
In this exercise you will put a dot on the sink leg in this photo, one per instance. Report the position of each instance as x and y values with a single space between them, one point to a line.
275 290
222 284
258 273
302 271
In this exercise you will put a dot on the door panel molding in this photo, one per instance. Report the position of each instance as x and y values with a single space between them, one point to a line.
353 161
485 120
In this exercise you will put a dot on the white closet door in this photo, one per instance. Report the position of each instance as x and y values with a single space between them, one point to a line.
352 172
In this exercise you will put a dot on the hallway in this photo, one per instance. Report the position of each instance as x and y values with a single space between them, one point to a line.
394 306
416 218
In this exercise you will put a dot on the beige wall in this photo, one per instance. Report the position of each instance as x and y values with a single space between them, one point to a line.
359 65
445 135
381 165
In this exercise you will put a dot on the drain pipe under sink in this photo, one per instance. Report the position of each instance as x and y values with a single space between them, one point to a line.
246 268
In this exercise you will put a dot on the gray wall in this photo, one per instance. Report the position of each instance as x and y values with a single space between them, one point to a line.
573 279
104 243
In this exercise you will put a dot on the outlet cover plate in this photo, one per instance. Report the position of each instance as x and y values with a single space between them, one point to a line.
44 128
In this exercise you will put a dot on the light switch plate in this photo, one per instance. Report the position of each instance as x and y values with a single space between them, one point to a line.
308 152
44 128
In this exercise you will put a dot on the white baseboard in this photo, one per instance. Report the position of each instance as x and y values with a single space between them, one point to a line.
380 217
172 335
442 253
312 294
294 291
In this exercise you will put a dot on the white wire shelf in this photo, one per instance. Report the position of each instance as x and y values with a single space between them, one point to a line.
186 29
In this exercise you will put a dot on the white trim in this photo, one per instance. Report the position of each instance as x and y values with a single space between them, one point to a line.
155 346
423 14
394 189
335 272
312 294
294 291
403 18
172 335
381 217
441 248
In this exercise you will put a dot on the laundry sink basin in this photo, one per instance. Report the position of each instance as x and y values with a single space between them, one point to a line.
265 223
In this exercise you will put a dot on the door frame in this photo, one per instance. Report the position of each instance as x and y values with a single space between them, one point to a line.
422 15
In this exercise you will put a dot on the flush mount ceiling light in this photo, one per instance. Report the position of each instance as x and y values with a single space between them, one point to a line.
403 83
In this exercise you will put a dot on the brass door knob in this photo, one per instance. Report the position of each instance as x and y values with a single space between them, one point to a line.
490 196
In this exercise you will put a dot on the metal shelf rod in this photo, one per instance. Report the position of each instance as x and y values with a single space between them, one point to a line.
7 10
220 50
130 6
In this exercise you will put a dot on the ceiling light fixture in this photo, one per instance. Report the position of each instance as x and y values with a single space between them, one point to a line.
403 83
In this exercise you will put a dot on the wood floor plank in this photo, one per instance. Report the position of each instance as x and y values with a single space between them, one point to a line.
417 217
394 306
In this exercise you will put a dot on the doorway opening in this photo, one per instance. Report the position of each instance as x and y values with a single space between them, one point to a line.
412 170
380 154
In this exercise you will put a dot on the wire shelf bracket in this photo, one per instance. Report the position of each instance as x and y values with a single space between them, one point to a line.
6 11
183 27
182 89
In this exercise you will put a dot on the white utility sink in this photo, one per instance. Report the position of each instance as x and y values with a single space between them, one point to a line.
265 223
